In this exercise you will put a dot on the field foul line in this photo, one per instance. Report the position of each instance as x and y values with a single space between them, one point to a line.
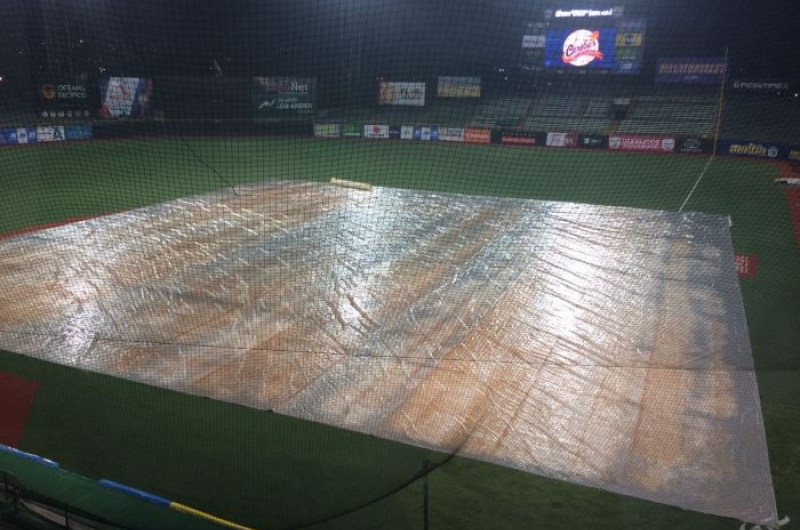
702 174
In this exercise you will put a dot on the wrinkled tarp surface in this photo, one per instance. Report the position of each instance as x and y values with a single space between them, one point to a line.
599 345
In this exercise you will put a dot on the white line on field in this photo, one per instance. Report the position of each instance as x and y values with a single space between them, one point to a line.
702 174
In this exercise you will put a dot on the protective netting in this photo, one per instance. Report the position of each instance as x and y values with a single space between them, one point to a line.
408 249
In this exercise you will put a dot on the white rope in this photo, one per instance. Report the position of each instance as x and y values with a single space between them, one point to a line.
702 174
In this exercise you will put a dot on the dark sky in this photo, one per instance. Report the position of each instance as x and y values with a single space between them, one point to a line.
391 37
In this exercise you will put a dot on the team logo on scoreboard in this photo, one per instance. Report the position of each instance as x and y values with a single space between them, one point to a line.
582 47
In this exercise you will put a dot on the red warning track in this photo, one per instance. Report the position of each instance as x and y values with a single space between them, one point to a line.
793 196
16 402
792 171
44 226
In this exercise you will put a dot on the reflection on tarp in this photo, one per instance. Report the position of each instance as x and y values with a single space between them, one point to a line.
598 345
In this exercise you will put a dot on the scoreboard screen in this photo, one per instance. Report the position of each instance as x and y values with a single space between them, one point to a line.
584 42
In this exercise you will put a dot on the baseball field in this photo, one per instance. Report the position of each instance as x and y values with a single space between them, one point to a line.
269 471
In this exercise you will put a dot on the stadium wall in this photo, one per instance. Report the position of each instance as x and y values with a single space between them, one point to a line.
120 130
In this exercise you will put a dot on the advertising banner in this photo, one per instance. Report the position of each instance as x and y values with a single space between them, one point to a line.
746 265
412 94
394 132
77 132
477 136
376 131
64 99
451 134
692 70
558 139
284 96
756 86
520 138
751 149
49 133
327 130
26 136
593 141
125 97
407 132
693 144
458 87
794 154
351 130
638 142
8 137
426 133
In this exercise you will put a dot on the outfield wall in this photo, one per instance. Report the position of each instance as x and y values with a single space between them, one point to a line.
24 135
654 143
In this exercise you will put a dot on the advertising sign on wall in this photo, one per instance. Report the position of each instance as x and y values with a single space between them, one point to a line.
477 136
519 138
351 130
593 141
751 149
746 265
430 133
8 137
693 144
637 142
451 134
692 70
558 139
26 136
412 94
327 130
125 97
376 131
284 96
64 99
406 132
757 86
50 133
78 132
458 87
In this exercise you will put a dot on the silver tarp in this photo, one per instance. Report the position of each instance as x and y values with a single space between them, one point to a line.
599 345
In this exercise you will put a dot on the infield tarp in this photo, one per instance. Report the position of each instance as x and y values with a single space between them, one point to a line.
598 345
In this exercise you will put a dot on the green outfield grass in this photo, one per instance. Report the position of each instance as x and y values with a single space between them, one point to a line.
270 471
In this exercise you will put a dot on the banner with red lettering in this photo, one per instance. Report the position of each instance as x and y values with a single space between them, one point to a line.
640 142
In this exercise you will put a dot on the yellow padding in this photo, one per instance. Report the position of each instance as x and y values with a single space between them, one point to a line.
363 186
203 515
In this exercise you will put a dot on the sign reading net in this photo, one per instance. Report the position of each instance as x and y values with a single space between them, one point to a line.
458 87
284 96
409 94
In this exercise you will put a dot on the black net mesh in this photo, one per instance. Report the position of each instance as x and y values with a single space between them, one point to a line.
399 264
